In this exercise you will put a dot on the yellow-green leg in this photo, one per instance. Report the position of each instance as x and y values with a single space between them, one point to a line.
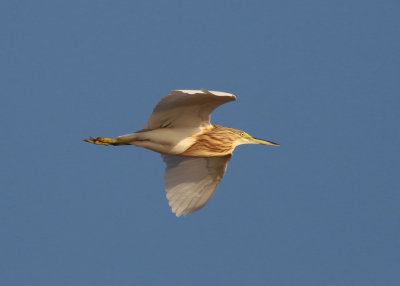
103 141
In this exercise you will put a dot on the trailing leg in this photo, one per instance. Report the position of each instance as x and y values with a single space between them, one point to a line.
104 141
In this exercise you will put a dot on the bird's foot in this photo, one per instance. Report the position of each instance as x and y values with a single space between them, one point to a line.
101 141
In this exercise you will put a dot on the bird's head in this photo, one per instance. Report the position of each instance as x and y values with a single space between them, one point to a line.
245 138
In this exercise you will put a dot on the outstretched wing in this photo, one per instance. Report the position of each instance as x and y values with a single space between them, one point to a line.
190 182
187 108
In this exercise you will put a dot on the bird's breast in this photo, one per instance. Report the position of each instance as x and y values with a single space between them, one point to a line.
206 144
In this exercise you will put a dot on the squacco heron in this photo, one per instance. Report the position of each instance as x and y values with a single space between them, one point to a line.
195 151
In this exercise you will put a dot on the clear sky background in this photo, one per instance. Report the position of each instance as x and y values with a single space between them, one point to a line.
319 77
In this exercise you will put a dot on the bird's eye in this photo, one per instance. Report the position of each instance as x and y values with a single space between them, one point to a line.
242 134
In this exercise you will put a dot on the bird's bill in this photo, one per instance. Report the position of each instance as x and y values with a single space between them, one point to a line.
264 142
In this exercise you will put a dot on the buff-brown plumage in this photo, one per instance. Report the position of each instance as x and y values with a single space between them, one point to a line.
213 141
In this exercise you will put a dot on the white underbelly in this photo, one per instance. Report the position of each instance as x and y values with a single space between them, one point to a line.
170 141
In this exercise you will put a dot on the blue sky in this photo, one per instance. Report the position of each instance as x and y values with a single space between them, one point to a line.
319 77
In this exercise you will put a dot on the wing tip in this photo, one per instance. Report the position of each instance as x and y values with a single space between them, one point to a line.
181 210
203 90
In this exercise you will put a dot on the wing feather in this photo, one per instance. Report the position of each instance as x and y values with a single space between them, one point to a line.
187 108
190 182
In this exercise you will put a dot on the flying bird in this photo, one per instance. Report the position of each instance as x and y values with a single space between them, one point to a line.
195 151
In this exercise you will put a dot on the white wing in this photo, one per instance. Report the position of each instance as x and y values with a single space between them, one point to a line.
187 108
190 182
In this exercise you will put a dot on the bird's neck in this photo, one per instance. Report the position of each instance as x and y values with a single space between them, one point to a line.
211 142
